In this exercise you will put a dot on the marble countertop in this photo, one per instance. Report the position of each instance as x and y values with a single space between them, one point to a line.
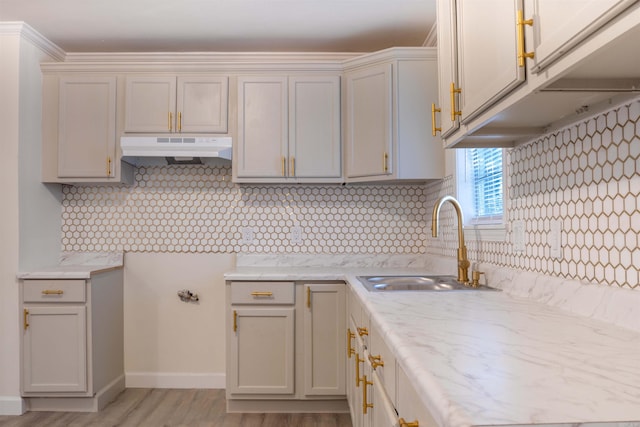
77 266
495 358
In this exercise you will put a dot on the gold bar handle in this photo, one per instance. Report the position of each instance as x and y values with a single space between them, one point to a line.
453 92
235 321
308 297
363 331
179 121
25 314
108 165
283 165
385 158
350 350
292 171
358 362
261 294
365 405
403 423
53 292
434 110
170 121
376 361
522 55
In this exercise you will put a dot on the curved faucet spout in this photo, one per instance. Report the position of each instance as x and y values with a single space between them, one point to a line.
463 261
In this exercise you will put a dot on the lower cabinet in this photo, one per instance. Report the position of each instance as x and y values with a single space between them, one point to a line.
72 342
285 346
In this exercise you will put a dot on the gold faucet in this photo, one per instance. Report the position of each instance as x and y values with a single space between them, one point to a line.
463 262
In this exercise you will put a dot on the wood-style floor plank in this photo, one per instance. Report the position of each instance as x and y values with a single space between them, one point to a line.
137 407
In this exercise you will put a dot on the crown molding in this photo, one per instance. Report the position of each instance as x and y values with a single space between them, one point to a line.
27 32
391 53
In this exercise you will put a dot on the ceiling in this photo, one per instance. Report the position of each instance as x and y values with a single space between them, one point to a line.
226 25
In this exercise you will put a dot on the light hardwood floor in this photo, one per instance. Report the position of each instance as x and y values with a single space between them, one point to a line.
172 408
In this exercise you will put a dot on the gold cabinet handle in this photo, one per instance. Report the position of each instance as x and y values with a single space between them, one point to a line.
363 331
170 121
365 404
434 110
403 423
308 297
180 121
292 171
108 165
453 92
385 158
25 314
53 292
376 361
235 321
350 350
261 294
522 55
358 362
283 165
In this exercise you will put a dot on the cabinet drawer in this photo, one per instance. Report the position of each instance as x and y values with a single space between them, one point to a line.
262 293
54 290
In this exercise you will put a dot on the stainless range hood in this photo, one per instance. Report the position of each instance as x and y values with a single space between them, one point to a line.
152 150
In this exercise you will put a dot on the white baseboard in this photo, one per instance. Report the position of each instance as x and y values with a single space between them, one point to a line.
174 380
12 405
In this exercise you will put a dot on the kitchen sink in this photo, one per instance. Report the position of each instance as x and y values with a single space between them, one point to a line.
417 283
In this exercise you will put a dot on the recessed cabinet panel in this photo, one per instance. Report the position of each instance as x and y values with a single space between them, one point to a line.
369 138
55 349
150 104
262 127
87 127
202 104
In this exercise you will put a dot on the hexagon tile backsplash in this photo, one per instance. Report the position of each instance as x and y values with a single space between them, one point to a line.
587 176
197 209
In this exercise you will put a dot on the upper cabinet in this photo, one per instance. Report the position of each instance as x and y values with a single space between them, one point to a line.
288 129
79 130
170 104
388 135
516 69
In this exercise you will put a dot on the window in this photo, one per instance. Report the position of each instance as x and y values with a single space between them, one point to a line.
480 187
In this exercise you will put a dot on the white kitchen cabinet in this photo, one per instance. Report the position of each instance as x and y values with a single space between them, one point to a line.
444 118
182 104
324 345
79 127
72 341
409 405
388 98
288 129
561 25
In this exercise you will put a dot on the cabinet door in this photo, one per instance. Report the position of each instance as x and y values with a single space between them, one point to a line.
383 414
314 127
150 104
369 119
54 349
447 67
262 127
262 351
561 25
87 127
487 53
409 403
202 104
324 343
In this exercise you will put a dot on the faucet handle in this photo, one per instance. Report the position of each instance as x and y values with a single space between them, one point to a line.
475 278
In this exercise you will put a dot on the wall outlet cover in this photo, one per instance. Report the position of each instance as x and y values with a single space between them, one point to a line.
518 236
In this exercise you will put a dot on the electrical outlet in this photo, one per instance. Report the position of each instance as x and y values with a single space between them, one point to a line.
518 236
296 235
247 235
555 238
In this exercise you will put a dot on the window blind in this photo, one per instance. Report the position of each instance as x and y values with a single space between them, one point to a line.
486 165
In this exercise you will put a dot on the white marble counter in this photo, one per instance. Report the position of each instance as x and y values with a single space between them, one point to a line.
496 358
77 266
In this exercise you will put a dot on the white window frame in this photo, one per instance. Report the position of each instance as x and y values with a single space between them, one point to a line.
487 229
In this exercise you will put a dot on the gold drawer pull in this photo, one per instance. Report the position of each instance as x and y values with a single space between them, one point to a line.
365 404
434 110
376 361
403 423
235 321
261 294
53 292
522 55
26 319
350 350
453 91
358 362
363 331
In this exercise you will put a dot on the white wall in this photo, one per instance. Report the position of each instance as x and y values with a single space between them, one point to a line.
170 343
27 206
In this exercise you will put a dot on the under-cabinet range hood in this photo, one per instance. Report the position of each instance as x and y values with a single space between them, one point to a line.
146 150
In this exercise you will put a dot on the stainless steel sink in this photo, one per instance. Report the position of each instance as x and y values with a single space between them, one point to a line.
417 283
